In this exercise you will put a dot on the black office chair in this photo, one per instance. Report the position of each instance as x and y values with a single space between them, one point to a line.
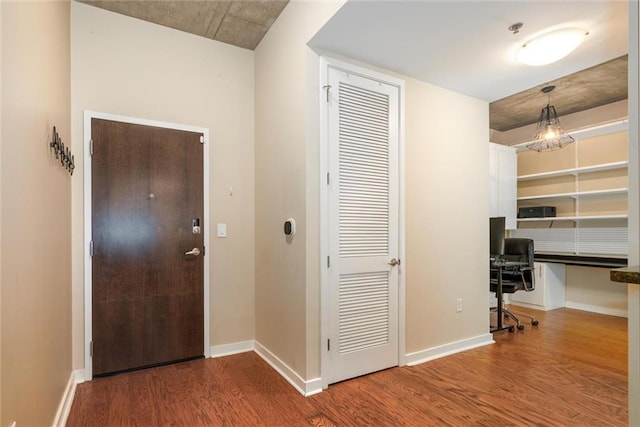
521 278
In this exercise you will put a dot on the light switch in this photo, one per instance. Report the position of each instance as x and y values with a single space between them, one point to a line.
222 230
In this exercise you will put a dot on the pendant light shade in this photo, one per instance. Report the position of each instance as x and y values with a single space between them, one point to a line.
549 135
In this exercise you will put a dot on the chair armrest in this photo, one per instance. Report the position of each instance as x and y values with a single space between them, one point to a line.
532 286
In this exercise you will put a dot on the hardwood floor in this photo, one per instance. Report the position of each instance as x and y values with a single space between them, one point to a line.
570 370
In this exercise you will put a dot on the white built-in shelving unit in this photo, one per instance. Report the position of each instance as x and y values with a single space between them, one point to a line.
576 230
575 194
578 194
575 171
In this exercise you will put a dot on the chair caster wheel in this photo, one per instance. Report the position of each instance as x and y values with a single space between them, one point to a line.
520 327
511 329
534 322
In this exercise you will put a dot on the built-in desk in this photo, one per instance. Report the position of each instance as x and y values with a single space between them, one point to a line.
578 282
583 260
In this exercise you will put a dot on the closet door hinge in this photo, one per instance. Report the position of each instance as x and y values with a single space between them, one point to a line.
328 178
201 139
91 147
328 261
91 349
327 88
328 345
91 248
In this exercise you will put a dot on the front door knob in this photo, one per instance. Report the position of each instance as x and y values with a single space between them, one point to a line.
194 252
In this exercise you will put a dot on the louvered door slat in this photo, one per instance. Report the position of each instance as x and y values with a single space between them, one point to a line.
363 311
364 208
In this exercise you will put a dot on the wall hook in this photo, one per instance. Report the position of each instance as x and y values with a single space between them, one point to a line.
61 152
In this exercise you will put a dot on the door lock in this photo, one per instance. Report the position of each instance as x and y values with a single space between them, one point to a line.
194 252
195 226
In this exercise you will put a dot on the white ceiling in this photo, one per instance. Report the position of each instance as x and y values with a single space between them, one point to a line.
465 46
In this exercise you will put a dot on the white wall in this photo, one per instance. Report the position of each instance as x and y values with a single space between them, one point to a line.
129 67
35 217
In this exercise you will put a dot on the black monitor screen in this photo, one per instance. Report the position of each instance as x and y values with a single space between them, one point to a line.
496 235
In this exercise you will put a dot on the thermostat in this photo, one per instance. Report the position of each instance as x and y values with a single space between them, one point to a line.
290 227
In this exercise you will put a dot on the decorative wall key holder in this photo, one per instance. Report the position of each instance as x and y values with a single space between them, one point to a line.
62 153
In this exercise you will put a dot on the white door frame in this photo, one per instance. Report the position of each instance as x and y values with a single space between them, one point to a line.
325 64
88 332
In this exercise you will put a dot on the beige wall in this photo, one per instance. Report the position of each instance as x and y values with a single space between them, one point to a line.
125 66
590 288
1 136
447 211
634 215
36 202
436 152
287 185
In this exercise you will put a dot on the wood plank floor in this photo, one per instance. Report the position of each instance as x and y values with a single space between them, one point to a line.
569 371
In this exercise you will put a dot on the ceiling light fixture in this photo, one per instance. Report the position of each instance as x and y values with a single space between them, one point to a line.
549 135
550 47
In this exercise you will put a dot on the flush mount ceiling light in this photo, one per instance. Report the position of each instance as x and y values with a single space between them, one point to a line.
549 135
550 47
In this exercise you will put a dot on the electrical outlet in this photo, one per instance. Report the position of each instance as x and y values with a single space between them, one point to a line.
458 305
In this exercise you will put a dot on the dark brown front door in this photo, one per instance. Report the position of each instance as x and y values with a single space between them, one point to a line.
147 294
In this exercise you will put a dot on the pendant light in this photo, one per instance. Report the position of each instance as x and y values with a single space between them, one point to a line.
549 135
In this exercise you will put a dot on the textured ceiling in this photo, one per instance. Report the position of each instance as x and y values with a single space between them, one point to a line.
244 23
239 23
465 45
590 88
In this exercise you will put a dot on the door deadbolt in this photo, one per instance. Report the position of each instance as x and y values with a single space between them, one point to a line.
195 226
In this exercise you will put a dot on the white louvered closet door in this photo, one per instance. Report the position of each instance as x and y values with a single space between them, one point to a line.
363 225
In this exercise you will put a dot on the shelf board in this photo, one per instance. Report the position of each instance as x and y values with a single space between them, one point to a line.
575 171
577 194
573 218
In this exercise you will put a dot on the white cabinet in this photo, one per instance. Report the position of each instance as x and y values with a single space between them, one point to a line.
503 183
549 292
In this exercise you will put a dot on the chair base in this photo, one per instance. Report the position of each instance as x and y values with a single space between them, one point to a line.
511 315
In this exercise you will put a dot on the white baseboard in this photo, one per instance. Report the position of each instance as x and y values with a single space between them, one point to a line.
448 349
233 348
597 309
64 407
306 388
533 306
